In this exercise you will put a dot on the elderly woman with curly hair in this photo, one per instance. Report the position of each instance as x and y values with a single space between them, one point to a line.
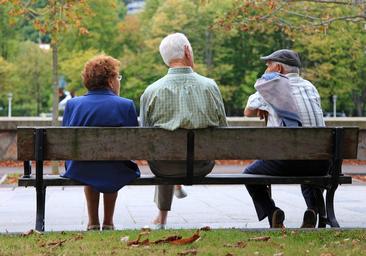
101 106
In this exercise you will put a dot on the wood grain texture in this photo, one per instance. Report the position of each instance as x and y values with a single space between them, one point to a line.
120 143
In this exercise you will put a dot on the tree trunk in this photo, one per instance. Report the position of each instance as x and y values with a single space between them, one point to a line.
55 85
208 49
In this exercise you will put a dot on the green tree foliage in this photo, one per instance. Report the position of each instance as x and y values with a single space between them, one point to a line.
228 37
7 70
71 68
33 79
103 29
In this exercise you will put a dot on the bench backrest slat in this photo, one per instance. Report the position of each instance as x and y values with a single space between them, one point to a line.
122 143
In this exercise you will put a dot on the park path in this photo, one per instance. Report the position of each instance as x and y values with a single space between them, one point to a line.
214 206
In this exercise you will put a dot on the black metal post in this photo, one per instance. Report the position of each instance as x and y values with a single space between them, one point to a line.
27 169
190 157
335 172
40 189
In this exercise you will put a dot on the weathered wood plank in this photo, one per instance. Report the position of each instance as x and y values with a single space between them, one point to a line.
272 143
106 144
55 180
88 143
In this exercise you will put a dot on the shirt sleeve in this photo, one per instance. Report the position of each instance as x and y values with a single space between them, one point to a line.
143 110
256 101
132 115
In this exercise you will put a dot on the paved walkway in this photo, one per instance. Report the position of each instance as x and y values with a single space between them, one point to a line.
215 206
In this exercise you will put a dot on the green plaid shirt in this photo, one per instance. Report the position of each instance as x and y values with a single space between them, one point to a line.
182 99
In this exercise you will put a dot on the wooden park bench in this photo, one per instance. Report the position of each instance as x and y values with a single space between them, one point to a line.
123 143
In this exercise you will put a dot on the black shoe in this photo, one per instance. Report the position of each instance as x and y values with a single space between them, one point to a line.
278 217
309 220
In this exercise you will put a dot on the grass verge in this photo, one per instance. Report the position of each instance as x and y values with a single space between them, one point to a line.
226 242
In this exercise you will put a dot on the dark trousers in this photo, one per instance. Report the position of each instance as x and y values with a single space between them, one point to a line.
260 194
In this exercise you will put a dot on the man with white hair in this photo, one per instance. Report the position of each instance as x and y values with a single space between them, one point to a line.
180 99
285 98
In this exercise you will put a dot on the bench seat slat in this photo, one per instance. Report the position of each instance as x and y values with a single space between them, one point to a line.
56 180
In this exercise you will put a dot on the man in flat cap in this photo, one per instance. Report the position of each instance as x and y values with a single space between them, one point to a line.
287 100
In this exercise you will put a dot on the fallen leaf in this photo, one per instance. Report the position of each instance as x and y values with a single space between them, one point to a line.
30 232
206 228
53 244
283 231
78 237
327 254
240 244
188 252
355 241
137 242
125 239
229 254
167 240
279 254
188 240
260 238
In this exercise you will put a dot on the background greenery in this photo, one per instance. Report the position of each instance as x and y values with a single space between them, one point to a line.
227 37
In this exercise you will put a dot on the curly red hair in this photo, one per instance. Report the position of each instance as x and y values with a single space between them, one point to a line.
99 70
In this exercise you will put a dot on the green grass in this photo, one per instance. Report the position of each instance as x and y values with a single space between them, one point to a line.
214 242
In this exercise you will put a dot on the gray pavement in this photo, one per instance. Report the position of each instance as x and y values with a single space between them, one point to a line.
215 206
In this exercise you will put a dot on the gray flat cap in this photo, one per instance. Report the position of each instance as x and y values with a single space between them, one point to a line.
284 56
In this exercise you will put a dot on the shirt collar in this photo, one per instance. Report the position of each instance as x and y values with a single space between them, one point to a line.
292 75
185 70
100 91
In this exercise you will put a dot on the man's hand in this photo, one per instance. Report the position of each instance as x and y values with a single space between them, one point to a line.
262 114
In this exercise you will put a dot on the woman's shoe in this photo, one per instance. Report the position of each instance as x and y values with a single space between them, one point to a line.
180 193
93 228
108 227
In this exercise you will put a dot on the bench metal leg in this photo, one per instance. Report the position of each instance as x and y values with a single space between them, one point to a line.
330 207
40 188
41 200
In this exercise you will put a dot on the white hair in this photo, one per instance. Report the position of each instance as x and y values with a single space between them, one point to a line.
288 68
172 47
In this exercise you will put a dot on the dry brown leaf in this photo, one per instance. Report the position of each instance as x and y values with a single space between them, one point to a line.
30 232
355 242
283 230
167 240
53 244
240 244
260 238
137 242
229 254
327 254
78 237
188 240
188 252
206 228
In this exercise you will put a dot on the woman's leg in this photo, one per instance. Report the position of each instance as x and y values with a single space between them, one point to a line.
92 201
109 204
